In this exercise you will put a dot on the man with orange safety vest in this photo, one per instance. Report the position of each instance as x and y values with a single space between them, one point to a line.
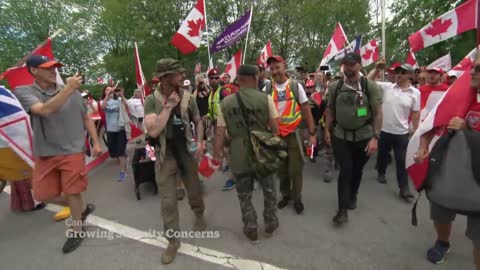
292 104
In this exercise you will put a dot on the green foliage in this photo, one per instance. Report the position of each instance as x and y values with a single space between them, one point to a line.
99 35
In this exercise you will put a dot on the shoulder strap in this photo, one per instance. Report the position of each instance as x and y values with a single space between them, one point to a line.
294 87
243 109
335 96
364 85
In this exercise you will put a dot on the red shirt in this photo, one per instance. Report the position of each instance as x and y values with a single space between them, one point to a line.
473 115
427 89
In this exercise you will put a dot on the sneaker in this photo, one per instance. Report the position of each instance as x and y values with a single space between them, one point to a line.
62 214
72 243
251 234
122 177
283 203
438 252
341 217
171 252
381 179
313 160
298 205
229 185
39 206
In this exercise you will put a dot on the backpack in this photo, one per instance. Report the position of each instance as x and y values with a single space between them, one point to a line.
293 86
453 176
269 150
338 90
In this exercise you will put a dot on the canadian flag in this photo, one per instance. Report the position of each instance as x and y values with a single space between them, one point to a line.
465 64
188 37
141 83
444 62
18 76
265 54
233 65
455 103
370 53
336 43
450 24
411 59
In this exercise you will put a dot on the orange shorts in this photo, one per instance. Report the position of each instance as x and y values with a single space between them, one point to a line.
57 175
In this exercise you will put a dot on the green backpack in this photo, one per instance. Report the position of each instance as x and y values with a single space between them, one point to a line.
269 150
348 120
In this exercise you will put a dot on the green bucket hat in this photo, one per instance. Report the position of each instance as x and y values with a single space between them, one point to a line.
168 66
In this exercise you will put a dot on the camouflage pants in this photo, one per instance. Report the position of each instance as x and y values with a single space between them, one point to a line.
244 191
165 175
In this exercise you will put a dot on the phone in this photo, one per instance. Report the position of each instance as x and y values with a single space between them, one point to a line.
324 67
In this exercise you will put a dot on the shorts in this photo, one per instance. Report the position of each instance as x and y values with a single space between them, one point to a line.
117 143
442 215
57 175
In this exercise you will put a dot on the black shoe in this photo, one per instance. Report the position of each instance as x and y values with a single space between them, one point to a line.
39 206
313 160
381 179
298 207
271 227
251 234
72 243
353 204
406 195
88 210
283 203
341 217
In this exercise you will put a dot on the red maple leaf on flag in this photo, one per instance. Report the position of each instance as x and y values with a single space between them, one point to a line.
438 27
367 54
228 68
195 27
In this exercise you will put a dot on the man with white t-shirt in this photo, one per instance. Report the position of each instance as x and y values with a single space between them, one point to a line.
292 105
135 106
400 102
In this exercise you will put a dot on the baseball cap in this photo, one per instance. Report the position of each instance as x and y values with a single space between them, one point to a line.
275 58
406 67
439 70
41 61
213 73
352 58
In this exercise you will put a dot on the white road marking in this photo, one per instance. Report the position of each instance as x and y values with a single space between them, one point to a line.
205 254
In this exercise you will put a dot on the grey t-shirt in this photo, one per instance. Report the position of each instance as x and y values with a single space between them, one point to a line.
60 133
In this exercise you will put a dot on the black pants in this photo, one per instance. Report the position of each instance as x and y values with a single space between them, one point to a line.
351 158
399 144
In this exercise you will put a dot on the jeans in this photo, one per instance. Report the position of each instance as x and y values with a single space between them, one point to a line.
399 144
351 157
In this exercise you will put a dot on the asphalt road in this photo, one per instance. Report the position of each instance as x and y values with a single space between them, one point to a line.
378 236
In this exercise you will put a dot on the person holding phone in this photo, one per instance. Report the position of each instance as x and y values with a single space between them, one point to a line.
114 106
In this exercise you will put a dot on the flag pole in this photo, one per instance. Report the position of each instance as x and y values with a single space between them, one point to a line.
383 34
210 62
248 33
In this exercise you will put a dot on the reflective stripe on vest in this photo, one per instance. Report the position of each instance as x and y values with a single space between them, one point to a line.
214 103
291 115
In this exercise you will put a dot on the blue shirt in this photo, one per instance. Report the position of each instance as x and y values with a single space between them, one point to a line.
112 115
